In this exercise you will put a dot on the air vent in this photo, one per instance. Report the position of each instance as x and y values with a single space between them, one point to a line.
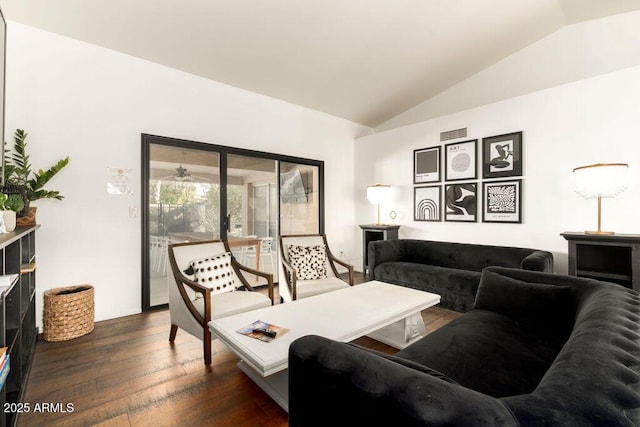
453 134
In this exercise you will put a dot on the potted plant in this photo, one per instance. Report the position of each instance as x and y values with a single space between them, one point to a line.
18 172
10 205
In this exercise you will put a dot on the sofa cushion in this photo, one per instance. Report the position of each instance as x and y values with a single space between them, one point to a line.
487 352
457 288
543 308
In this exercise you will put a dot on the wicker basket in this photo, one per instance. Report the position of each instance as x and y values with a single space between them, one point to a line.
68 312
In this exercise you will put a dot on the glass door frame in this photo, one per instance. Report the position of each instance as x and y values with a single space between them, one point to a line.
223 151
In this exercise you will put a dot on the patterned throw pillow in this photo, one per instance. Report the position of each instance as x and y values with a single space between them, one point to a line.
309 261
215 272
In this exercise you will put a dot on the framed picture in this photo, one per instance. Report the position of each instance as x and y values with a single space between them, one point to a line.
502 155
426 165
460 202
426 203
460 160
502 201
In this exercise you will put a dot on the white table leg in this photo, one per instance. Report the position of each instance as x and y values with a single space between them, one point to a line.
276 385
401 333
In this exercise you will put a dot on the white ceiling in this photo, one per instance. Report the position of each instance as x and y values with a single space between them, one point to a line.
363 60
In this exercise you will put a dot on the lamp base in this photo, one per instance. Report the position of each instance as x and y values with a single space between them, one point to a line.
608 233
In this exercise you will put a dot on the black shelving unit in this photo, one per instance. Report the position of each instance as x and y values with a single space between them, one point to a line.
18 330
372 232
609 257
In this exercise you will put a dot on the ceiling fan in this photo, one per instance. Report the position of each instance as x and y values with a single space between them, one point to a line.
182 175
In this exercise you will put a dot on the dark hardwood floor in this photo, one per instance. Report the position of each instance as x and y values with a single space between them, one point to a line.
126 373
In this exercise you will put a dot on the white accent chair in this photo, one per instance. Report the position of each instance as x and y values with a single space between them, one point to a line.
192 305
293 288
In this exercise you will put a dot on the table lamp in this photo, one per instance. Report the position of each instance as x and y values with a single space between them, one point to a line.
377 194
600 180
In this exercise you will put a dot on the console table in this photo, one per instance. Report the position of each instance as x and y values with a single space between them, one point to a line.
372 232
609 257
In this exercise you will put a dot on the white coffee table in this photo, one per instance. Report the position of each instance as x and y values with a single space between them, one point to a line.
385 312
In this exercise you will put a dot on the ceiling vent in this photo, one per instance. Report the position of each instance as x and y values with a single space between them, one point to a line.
453 134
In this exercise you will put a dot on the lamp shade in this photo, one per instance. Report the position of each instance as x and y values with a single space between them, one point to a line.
601 179
378 193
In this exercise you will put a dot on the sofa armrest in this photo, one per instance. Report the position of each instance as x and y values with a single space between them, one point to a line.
333 383
538 261
379 251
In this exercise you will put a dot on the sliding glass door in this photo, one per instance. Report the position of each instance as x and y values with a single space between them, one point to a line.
184 204
195 191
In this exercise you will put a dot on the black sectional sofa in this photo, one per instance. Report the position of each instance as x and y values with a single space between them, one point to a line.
537 349
451 270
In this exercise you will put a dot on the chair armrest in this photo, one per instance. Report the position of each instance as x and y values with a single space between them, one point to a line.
181 282
344 264
538 261
291 278
239 268
353 386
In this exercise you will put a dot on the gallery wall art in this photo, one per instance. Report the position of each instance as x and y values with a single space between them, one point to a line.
426 165
426 203
457 199
502 155
460 202
460 160
502 201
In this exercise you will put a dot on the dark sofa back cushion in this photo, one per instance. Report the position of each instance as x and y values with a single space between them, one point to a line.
463 255
543 308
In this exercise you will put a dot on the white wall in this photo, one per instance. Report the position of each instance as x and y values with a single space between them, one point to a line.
584 122
92 104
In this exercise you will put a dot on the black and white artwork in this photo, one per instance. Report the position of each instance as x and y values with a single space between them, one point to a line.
502 155
426 165
460 202
502 201
426 202
460 160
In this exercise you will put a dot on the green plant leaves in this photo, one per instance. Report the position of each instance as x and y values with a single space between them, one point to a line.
18 171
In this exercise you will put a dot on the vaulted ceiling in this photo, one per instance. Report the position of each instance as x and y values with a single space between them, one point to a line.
363 60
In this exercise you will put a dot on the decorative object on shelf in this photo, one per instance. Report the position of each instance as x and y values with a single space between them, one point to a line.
461 202
426 203
426 165
10 205
377 194
502 155
17 171
460 160
600 180
502 201
68 312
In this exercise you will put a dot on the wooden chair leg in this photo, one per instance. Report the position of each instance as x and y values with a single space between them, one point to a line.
207 347
172 334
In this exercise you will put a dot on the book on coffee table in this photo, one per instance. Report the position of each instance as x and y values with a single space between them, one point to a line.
262 331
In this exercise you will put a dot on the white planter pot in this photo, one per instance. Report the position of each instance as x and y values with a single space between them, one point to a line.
9 220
